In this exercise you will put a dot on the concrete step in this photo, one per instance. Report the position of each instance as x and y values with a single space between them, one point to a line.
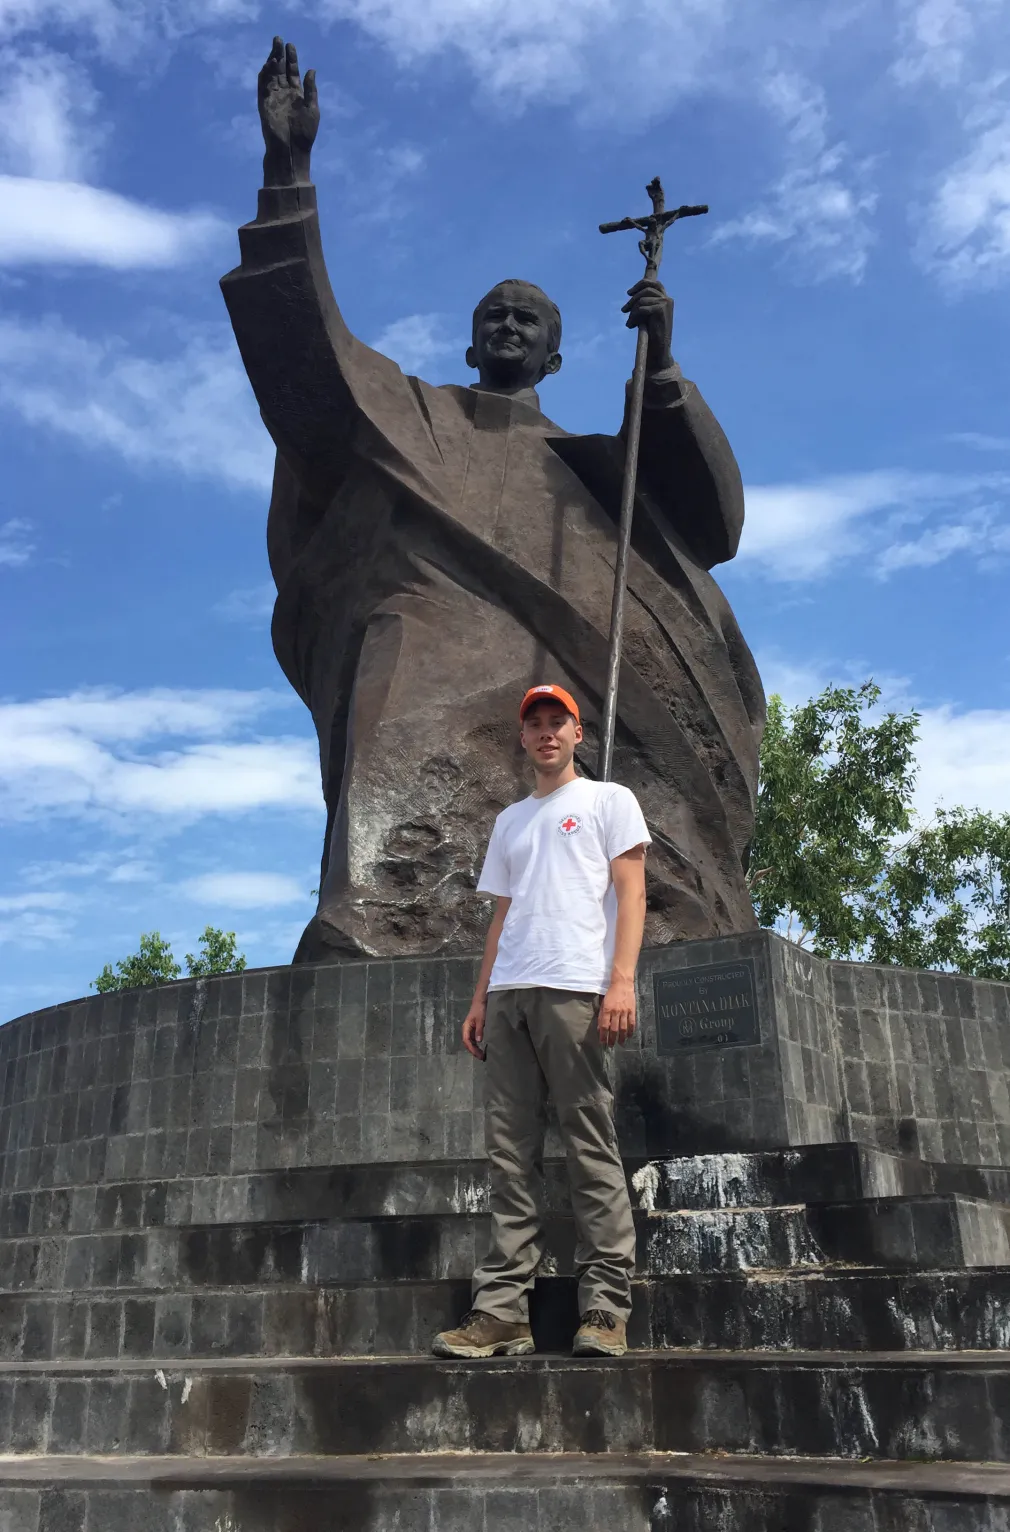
814 1173
817 1173
783 1311
275 1196
966 1310
632 1492
929 1232
926 1407
926 1232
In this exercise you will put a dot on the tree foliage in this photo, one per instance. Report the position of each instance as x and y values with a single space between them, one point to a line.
946 900
834 791
154 961
218 954
839 861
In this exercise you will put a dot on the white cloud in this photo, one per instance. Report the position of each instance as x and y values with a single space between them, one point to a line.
15 547
33 919
14 902
964 758
131 717
229 778
115 757
61 222
933 38
121 27
246 890
48 116
416 341
255 604
938 39
798 531
966 234
621 59
525 52
961 48
191 412
802 531
820 207
50 136
108 867
979 534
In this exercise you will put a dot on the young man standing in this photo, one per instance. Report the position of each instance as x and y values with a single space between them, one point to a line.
556 990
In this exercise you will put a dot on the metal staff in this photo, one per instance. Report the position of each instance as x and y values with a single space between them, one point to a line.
653 230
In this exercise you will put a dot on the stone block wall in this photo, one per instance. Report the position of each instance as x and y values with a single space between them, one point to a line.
915 1062
361 1062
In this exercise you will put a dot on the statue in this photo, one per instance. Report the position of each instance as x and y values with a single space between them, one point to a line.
438 550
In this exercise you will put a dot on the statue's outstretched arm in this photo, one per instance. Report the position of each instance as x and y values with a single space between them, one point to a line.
688 467
685 462
297 350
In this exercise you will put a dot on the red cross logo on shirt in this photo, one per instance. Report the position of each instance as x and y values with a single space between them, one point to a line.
570 825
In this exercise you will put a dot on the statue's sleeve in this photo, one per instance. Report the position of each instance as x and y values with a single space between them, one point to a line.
687 468
316 384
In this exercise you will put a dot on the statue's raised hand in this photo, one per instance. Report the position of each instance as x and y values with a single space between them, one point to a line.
289 114
650 308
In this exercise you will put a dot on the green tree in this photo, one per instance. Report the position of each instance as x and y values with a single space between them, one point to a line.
154 962
838 860
217 954
945 900
834 791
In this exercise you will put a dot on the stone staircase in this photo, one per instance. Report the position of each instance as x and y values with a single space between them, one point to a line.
822 1339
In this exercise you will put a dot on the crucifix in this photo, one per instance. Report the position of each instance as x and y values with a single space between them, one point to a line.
653 229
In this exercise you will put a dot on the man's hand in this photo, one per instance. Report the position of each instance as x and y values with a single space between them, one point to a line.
617 1013
650 308
473 1029
289 116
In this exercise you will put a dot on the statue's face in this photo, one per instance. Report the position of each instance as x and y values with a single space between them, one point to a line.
512 341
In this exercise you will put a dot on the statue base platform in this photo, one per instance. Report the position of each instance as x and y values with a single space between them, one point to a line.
234 1211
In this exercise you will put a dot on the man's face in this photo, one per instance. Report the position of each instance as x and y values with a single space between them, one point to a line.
511 342
549 736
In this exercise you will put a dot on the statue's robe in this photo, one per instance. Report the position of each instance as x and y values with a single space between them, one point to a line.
438 550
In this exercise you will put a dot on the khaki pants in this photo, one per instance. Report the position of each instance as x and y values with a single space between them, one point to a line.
540 1041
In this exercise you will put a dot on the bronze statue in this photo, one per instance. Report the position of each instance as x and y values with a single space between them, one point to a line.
437 550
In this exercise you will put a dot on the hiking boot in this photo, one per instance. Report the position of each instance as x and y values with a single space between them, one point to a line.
481 1335
601 1334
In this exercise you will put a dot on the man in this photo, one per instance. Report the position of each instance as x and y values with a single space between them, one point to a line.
556 989
436 549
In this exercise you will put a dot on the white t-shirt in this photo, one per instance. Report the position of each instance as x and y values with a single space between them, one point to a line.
551 856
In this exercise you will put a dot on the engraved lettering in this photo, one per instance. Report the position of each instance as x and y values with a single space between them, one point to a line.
708 1007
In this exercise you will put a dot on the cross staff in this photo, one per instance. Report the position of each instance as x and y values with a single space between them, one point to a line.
653 230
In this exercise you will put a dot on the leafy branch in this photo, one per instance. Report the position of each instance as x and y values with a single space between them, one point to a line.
154 962
837 855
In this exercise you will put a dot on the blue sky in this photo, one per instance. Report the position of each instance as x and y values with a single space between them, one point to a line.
843 308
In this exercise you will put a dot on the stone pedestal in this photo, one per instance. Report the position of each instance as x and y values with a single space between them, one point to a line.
342 1064
910 1061
233 1212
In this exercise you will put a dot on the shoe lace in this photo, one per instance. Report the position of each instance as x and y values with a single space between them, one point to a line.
599 1319
472 1319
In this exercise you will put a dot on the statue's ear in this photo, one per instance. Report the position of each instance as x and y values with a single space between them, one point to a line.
553 363
471 357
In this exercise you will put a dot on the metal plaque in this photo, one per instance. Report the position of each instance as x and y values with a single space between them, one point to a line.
714 1006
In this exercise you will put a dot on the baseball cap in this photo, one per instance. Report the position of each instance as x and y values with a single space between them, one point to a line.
548 693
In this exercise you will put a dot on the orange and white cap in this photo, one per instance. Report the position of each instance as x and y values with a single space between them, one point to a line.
545 694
